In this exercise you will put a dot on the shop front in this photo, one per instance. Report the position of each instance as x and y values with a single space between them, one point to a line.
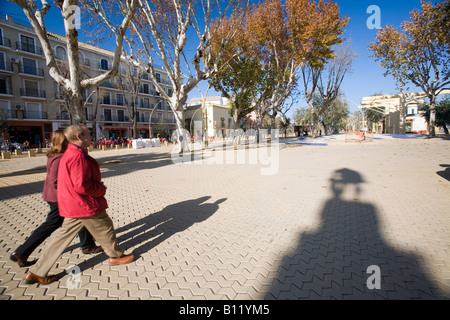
37 134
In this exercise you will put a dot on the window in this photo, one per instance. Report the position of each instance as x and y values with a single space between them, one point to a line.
411 110
31 88
81 57
61 53
120 115
29 66
145 88
4 41
4 107
158 78
27 44
119 98
104 64
3 86
2 61
145 103
34 111
107 114
106 98
63 112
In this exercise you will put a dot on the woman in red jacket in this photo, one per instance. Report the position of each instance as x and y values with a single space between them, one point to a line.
54 220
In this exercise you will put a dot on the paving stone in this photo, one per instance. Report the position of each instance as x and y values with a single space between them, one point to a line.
212 231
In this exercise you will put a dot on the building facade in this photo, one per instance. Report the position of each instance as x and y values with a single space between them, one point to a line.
32 104
211 114
399 120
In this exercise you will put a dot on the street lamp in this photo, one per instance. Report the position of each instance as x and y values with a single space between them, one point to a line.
150 120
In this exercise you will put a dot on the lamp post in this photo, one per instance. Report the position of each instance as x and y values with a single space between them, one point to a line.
150 120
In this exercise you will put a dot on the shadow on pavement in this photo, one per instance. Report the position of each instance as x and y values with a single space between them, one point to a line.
336 261
144 234
116 165
445 173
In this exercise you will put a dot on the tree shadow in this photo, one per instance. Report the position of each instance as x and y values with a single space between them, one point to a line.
333 262
114 165
146 233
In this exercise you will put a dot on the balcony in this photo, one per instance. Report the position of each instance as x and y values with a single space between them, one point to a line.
114 118
113 101
31 70
24 114
5 42
63 115
6 66
108 84
5 89
26 92
25 47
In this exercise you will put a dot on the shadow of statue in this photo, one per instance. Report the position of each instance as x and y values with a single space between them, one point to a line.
347 258
444 173
144 234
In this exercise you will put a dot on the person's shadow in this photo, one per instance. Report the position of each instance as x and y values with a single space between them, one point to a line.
347 258
144 234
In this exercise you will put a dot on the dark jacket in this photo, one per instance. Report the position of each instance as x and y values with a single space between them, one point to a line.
49 192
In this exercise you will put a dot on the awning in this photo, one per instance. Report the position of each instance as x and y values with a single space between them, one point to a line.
123 128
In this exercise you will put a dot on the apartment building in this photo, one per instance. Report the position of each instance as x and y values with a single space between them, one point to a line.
32 104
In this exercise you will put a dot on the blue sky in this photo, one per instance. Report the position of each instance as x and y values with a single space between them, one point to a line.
366 77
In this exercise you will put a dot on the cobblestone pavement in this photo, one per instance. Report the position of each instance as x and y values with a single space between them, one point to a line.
336 221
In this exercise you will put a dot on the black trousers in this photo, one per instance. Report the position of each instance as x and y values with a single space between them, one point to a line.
53 222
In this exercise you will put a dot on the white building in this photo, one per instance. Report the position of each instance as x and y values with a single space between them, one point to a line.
31 102
409 120
211 113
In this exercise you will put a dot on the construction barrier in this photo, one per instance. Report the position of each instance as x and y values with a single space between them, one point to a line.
354 136
358 136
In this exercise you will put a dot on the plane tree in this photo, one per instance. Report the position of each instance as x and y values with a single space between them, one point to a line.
72 83
421 54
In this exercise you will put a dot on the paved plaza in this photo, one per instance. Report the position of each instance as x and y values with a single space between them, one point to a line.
335 220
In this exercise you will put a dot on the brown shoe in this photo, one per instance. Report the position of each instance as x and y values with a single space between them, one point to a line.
122 260
31 278
21 260
93 250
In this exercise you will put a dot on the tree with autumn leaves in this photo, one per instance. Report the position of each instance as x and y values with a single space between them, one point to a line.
275 41
419 53
176 34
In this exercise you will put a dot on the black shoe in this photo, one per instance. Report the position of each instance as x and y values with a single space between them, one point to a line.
22 261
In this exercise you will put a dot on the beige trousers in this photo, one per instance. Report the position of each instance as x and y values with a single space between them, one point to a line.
100 226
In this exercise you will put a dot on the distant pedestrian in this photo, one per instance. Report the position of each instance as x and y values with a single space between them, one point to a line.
54 220
82 203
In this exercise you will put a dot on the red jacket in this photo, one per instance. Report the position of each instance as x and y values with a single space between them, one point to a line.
80 189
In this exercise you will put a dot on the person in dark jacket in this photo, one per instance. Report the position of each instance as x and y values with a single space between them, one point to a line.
81 200
54 220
